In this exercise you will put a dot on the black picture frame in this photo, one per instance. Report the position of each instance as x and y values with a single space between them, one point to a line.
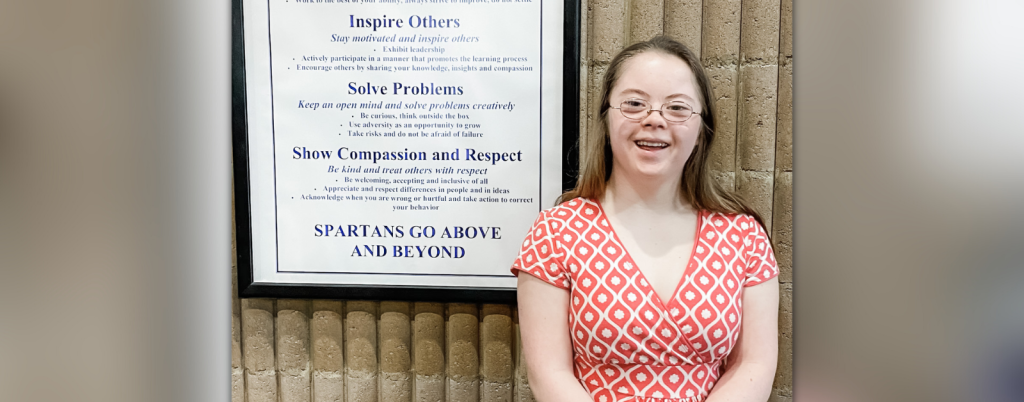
242 208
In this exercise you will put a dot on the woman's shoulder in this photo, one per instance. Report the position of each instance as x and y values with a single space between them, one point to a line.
726 220
571 207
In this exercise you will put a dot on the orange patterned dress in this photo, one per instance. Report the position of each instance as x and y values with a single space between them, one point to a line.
628 344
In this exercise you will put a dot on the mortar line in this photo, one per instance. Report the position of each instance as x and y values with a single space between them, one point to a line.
700 33
778 102
737 91
344 351
701 40
410 371
241 350
273 347
627 23
312 355
447 358
514 355
307 307
377 349
444 352
775 130
480 353
241 354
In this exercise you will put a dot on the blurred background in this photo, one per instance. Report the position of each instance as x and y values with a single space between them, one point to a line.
115 201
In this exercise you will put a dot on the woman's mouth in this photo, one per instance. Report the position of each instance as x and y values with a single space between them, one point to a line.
651 145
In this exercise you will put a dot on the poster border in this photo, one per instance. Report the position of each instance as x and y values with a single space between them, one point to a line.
243 208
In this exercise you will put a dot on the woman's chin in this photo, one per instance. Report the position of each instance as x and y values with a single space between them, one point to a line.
652 173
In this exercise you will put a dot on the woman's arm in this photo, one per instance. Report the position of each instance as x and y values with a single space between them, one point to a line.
544 327
751 364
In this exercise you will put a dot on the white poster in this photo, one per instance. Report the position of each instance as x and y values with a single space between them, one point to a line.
399 143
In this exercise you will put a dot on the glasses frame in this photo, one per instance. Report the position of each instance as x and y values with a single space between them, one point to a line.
651 109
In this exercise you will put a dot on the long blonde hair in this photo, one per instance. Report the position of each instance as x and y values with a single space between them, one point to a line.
697 187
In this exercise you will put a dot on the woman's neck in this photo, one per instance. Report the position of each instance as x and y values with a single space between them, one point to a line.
659 196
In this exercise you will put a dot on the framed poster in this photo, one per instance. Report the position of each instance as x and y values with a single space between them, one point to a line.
398 149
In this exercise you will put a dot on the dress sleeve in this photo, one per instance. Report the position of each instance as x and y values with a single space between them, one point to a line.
761 265
538 256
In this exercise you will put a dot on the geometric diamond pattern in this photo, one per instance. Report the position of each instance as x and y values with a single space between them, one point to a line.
629 345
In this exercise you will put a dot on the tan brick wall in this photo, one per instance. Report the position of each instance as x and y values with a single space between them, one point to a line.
370 351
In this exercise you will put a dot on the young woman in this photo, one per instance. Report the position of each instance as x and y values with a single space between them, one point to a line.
650 282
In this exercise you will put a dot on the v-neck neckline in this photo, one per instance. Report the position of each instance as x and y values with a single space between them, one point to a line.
627 254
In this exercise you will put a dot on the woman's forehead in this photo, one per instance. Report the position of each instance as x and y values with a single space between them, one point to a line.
658 73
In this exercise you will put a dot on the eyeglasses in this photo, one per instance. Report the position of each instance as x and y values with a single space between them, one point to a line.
639 109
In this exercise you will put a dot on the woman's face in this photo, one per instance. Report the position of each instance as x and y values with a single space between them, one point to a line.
653 147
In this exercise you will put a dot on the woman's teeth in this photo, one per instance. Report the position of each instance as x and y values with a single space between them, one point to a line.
651 144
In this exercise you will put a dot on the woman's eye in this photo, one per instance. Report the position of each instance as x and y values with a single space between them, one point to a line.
634 103
678 107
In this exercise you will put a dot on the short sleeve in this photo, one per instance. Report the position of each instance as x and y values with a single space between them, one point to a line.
538 256
761 265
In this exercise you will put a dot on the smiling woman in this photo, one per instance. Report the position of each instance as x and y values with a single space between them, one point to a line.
654 266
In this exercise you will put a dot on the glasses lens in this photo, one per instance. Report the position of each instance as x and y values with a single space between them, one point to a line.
677 111
634 108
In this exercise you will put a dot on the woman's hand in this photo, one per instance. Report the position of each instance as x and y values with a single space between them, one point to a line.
544 327
750 368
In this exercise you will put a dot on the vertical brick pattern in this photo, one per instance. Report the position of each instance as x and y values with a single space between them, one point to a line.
758 88
759 39
606 30
784 131
428 352
361 351
607 27
258 350
395 359
237 371
682 22
758 85
782 231
584 68
327 337
720 48
723 146
720 32
593 89
496 354
368 351
756 188
783 387
292 336
463 347
647 19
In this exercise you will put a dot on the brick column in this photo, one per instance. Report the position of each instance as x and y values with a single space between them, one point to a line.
361 351
720 46
463 362
326 337
646 19
759 74
682 22
496 351
395 359
428 352
606 36
292 335
258 350
782 231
